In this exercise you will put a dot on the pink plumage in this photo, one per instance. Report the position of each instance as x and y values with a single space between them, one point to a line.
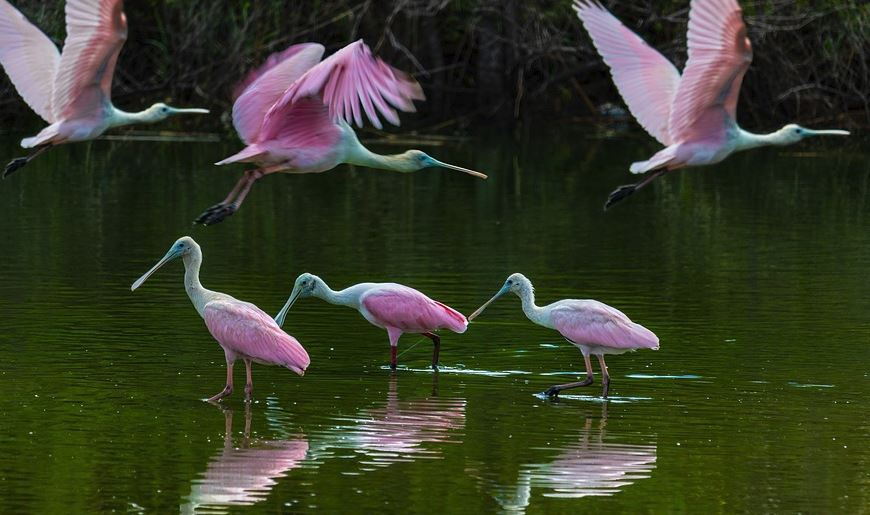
589 322
294 115
399 307
245 331
695 115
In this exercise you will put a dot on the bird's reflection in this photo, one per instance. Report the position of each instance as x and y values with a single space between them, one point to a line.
591 464
243 474
399 430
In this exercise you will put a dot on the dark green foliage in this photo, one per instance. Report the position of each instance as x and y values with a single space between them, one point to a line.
504 58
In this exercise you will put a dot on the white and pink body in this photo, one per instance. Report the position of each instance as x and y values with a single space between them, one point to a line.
294 111
243 330
694 114
393 307
70 90
593 327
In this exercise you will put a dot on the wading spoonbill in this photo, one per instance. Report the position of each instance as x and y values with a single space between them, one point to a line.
693 115
72 90
594 327
243 330
394 307
293 113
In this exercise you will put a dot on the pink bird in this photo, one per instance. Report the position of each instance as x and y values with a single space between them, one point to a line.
241 328
394 307
293 115
72 91
594 327
694 116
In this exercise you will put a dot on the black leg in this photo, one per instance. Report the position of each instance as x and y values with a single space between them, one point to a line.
622 192
605 377
19 162
436 350
553 391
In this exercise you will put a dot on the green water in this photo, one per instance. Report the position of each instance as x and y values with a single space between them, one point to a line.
753 274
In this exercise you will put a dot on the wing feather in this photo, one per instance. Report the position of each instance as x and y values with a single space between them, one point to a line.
646 80
595 323
29 58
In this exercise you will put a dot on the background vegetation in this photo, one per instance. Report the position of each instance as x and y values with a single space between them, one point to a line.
482 59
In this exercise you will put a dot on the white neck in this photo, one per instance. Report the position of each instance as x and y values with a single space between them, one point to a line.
199 296
532 311
361 156
346 297
120 118
747 140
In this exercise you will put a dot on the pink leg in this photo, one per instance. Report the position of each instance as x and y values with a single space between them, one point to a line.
553 391
394 335
218 212
605 377
249 383
228 389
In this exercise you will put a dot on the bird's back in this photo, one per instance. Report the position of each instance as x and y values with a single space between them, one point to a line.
402 307
246 330
595 323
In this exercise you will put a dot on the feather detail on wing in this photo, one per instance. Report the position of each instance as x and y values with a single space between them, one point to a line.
246 330
646 80
405 308
719 55
96 31
594 323
261 88
29 58
351 82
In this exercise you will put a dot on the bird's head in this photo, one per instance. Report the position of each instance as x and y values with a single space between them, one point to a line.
515 283
182 247
414 160
161 111
792 133
306 285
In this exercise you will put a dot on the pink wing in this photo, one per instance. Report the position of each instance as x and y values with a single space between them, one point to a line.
96 31
407 309
29 58
595 323
719 55
304 125
645 79
351 81
246 330
261 88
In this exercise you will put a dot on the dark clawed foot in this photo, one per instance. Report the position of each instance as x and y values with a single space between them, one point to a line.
226 391
435 368
215 214
619 194
552 393
15 165
249 393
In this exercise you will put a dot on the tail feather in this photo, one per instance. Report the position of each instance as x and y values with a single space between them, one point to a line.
44 136
661 159
455 320
249 153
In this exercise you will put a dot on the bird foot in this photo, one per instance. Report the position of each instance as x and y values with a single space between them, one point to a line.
619 194
552 392
215 214
226 391
15 165
249 393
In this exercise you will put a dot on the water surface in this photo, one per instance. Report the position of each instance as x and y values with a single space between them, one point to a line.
753 274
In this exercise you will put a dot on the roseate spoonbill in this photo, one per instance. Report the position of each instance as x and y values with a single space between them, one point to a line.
394 307
242 329
70 90
293 113
694 116
594 327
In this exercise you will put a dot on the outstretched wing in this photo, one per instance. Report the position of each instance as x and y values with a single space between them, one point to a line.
29 58
261 88
596 323
96 31
246 330
719 55
646 80
352 81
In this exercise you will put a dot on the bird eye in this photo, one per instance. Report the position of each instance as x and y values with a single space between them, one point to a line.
797 131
